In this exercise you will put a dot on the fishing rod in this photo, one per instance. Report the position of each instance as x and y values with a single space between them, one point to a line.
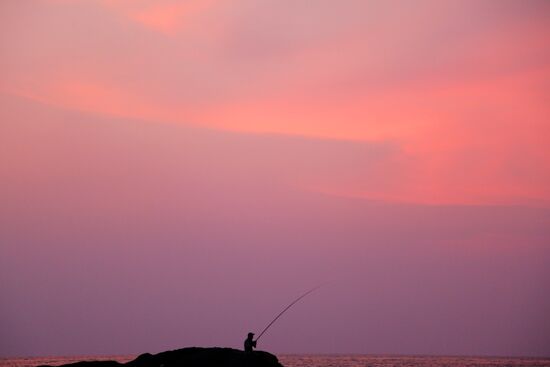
286 308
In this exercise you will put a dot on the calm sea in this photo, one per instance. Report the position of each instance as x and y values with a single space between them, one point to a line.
325 361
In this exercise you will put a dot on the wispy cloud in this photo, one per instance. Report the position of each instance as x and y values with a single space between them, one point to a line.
461 87
166 16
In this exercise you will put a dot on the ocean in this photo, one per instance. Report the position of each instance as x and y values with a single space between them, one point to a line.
325 361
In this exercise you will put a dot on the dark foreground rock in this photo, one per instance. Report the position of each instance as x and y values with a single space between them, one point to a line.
192 357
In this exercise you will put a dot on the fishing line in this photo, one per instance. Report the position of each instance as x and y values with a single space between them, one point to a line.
286 308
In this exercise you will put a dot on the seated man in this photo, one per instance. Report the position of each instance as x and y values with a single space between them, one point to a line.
249 343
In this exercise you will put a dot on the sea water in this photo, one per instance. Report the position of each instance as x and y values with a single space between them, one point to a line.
324 361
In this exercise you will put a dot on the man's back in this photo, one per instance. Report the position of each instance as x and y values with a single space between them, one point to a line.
249 344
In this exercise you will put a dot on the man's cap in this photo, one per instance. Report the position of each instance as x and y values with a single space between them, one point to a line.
249 334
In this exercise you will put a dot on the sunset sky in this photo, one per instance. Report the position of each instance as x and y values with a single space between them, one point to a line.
174 173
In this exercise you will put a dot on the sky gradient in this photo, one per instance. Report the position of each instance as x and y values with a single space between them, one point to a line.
173 173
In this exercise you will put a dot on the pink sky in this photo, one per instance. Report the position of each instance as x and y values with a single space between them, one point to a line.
160 160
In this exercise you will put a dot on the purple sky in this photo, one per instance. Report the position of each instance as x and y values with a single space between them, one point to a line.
175 173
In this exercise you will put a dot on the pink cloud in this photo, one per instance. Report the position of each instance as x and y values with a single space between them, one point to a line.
262 146
459 87
166 17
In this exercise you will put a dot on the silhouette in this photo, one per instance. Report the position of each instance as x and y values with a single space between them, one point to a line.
219 357
249 343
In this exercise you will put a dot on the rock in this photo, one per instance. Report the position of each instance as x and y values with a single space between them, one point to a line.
92 364
192 357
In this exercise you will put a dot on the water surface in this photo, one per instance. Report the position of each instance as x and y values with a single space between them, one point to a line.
324 361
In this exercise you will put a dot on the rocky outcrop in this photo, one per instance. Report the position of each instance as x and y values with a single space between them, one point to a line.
192 357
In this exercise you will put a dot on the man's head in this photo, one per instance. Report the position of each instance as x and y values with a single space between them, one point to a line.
250 335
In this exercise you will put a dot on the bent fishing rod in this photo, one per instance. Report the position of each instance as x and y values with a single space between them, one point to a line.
286 308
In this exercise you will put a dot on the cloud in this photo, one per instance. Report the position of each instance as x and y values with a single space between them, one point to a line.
130 211
166 17
459 87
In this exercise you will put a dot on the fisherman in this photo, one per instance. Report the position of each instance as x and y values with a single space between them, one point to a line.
249 343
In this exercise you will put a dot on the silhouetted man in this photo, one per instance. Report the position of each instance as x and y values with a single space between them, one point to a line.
249 343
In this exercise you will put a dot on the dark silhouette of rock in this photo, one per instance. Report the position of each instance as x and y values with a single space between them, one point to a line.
192 357
92 364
